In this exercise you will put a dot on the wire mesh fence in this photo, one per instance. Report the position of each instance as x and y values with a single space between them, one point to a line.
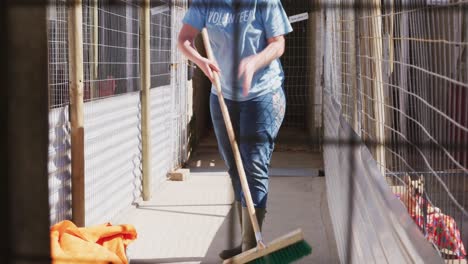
59 124
113 143
168 89
111 48
402 80
112 109
58 54
179 70
161 43
296 56
161 88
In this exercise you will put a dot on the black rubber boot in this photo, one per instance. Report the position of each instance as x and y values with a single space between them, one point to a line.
229 253
248 235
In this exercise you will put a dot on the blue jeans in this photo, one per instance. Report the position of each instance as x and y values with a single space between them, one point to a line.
256 123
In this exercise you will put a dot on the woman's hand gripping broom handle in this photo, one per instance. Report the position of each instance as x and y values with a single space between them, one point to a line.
235 147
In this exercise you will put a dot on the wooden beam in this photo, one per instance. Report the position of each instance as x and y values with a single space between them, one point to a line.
353 43
378 88
364 68
5 247
145 97
75 40
390 37
404 55
24 96
95 51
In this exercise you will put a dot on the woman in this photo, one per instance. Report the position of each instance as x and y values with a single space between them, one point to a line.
247 37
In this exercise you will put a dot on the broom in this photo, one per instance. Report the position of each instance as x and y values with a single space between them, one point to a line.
285 249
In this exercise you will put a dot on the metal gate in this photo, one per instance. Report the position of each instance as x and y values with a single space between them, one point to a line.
169 93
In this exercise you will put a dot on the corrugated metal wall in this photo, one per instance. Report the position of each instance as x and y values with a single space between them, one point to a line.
160 134
112 156
59 165
369 222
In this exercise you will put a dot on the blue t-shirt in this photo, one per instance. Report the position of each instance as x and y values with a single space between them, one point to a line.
254 22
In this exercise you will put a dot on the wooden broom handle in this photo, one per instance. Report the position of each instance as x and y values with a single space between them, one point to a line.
235 147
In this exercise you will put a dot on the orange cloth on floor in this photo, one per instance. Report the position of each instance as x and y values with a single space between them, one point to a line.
97 244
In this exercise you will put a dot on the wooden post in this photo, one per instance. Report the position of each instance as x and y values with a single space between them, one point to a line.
378 89
357 71
315 31
75 40
390 37
145 98
404 54
363 44
95 51
24 118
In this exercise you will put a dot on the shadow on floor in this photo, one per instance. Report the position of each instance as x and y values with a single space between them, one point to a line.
294 202
192 221
166 260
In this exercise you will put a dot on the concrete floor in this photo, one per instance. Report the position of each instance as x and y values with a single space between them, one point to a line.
191 221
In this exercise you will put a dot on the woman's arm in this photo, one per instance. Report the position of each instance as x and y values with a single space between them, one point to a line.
252 64
186 44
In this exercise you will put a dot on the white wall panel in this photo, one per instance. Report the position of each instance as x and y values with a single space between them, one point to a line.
112 156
